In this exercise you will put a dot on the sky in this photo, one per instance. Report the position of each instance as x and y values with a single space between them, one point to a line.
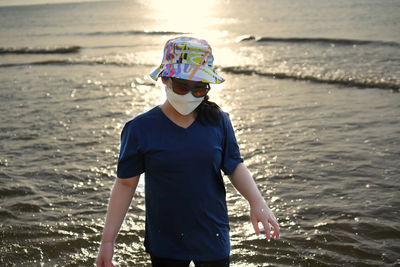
37 2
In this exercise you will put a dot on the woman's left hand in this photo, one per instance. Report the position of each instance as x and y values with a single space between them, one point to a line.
259 212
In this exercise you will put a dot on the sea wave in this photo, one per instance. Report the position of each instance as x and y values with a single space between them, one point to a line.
111 33
343 81
40 50
133 32
246 70
68 62
330 41
112 61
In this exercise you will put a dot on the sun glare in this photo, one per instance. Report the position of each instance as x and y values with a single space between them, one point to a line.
188 16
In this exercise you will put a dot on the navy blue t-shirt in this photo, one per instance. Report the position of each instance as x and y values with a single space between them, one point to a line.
186 213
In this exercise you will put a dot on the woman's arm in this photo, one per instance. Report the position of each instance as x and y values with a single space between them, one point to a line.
259 211
120 200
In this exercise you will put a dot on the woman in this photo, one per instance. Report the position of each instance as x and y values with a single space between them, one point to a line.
182 146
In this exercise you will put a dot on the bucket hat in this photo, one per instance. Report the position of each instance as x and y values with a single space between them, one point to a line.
187 58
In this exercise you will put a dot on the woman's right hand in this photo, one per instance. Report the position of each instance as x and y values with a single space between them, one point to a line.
120 200
105 255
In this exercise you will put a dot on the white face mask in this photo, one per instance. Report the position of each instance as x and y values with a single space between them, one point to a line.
184 104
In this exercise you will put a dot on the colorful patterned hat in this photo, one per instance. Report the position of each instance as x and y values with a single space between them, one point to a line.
187 58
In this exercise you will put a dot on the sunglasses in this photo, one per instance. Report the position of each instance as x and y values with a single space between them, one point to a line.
182 89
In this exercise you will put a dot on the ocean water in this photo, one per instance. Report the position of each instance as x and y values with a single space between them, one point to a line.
311 87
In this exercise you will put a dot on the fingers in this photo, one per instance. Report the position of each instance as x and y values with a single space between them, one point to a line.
104 263
267 229
254 221
275 225
267 221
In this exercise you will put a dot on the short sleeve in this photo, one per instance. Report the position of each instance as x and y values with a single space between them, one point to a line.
131 160
231 154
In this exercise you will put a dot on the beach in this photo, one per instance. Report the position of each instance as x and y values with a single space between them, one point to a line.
312 93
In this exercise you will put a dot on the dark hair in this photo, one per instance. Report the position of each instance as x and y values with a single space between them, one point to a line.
208 112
